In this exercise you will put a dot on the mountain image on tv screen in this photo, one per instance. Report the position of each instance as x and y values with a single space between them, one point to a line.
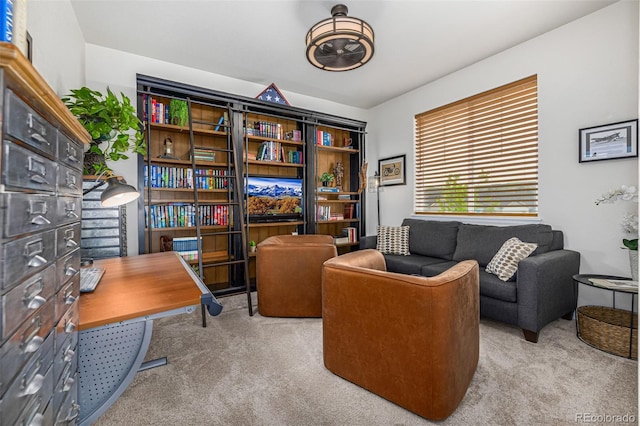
274 196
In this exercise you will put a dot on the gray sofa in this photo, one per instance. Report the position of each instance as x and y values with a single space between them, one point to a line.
541 291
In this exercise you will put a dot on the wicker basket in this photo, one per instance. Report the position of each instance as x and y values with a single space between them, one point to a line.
608 329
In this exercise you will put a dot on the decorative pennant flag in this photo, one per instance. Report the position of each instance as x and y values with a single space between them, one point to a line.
273 94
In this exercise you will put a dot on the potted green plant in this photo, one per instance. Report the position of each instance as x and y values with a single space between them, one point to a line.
252 246
112 123
327 178
178 112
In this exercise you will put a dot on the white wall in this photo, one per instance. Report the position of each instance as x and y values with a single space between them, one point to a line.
58 44
587 76
116 69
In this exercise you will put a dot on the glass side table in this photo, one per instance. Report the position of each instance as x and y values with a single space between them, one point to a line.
609 329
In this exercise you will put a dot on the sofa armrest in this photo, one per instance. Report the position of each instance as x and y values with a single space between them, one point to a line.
368 242
545 287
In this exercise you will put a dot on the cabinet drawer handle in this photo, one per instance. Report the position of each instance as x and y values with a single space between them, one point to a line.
71 181
68 384
39 138
69 328
68 355
72 154
40 220
36 261
69 271
32 342
32 291
39 179
36 302
71 213
74 411
34 385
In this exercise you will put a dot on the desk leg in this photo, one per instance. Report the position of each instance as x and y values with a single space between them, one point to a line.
110 356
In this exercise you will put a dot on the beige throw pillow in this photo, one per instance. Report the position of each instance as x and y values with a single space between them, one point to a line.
393 240
505 262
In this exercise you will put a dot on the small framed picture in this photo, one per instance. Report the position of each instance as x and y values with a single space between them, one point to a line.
609 141
392 171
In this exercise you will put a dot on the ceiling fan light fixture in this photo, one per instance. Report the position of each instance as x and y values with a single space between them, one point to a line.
340 43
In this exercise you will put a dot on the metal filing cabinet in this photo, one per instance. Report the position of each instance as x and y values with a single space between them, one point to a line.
103 228
40 213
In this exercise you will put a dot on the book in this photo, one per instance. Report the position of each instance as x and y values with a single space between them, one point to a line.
220 122
6 20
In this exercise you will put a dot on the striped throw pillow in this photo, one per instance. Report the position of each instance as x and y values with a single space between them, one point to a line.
505 262
393 240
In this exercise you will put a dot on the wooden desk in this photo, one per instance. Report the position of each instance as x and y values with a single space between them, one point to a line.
116 322
136 286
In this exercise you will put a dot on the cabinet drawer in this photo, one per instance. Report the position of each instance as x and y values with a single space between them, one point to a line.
24 169
67 267
26 213
67 384
68 324
29 342
26 298
68 238
98 213
99 232
35 379
65 355
69 209
25 124
70 152
38 411
68 412
25 256
101 252
69 293
69 180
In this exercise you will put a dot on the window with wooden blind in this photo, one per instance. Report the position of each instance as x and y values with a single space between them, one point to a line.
479 156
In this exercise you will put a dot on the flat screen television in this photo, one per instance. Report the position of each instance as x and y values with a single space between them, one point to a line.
271 199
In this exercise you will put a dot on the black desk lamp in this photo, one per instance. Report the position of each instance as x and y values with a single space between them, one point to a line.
117 192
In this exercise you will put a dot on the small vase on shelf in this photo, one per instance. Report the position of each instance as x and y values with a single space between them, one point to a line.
633 261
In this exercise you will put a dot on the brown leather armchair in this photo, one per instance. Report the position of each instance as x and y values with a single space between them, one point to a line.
288 274
410 339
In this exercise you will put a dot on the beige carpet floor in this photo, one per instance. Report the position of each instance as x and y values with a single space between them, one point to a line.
243 370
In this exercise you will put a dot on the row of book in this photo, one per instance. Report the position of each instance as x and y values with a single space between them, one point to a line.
349 235
204 154
266 129
274 151
182 177
349 211
159 111
324 138
183 215
187 247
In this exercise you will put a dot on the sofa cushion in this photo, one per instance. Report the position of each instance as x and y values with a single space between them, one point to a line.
432 238
505 262
411 265
393 240
494 287
482 242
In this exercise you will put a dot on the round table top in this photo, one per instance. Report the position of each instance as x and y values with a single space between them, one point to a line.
586 279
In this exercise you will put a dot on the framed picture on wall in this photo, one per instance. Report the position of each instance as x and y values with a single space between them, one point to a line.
392 171
609 141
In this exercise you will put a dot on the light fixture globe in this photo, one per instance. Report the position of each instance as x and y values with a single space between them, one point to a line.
340 43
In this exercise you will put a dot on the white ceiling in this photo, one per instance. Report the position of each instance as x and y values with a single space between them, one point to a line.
263 41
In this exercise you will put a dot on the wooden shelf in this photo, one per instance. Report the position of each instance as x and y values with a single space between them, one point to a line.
274 163
337 201
212 256
253 138
186 162
283 223
189 189
323 222
337 149
175 128
187 228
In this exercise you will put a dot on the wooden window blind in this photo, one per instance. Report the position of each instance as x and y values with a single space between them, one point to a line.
479 156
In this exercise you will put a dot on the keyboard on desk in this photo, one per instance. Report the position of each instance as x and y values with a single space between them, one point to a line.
89 279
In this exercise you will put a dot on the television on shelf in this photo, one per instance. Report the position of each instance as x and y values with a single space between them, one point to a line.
272 199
